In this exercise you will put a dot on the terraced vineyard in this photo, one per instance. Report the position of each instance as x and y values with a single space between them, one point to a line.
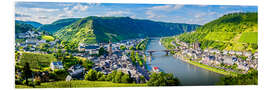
220 36
237 31
249 37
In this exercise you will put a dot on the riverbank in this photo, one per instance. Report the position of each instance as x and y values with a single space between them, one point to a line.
213 69
197 64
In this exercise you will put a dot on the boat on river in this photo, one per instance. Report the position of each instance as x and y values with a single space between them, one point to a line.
155 69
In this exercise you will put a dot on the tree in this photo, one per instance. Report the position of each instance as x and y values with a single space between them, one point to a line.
110 76
251 78
60 74
91 75
132 57
131 48
99 75
117 78
88 64
162 79
125 79
102 51
102 78
123 47
138 59
27 73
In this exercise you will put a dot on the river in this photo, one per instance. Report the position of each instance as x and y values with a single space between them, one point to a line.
186 73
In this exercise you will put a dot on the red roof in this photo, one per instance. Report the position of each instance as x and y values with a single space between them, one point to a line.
155 67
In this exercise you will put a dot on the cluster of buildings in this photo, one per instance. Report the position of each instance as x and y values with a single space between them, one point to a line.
31 42
238 61
116 59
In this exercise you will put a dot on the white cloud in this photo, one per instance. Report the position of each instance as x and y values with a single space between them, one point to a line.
200 15
43 9
212 13
152 11
65 4
166 7
80 7
116 13
152 15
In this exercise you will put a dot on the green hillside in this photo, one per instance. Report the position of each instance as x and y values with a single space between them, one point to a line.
236 31
21 27
55 26
102 29
34 24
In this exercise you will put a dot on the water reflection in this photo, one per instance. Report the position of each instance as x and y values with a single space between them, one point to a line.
187 73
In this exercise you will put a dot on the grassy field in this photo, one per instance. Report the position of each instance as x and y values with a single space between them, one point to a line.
48 38
36 59
81 84
249 37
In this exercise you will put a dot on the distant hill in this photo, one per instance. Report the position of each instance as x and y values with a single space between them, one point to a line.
33 23
235 31
55 26
21 27
102 29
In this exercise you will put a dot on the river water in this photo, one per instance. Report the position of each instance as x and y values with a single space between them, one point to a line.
186 73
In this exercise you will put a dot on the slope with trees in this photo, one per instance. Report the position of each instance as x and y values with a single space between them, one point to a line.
235 31
57 25
102 29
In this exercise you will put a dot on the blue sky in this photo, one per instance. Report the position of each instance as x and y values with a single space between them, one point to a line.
47 12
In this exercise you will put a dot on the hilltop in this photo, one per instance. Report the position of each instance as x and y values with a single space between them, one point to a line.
102 29
55 26
22 27
235 31
33 23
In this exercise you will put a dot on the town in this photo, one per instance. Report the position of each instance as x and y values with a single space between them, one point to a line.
233 61
103 57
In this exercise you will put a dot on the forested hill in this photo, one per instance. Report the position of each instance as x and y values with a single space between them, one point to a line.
102 29
34 24
22 27
234 22
236 31
57 25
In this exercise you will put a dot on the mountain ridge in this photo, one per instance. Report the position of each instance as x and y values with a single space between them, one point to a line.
57 25
103 29
33 23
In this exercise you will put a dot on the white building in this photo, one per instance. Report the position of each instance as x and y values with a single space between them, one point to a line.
56 65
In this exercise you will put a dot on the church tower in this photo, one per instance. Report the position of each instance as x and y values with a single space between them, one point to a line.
110 48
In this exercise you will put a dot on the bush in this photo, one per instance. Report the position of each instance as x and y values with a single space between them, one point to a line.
91 75
18 82
125 79
88 64
117 77
102 78
37 82
60 74
162 79
251 78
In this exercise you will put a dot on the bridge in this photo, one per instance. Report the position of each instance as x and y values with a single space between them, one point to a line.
152 51
167 51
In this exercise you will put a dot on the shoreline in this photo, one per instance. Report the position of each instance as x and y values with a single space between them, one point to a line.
206 67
